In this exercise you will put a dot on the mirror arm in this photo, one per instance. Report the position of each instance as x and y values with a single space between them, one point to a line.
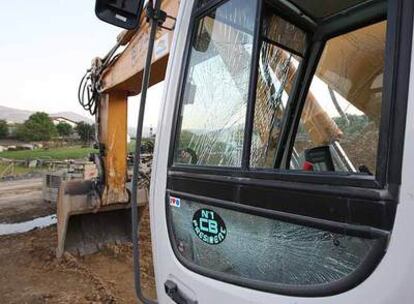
156 17
159 16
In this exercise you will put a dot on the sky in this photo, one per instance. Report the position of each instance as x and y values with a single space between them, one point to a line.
46 47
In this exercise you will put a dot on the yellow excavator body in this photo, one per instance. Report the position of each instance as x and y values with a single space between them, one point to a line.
92 213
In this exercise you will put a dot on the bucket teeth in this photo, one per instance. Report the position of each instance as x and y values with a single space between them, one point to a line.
89 232
83 229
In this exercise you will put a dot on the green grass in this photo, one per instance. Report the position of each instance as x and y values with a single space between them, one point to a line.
131 146
18 170
74 152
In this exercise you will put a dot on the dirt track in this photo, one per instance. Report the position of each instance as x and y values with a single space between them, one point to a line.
30 272
22 200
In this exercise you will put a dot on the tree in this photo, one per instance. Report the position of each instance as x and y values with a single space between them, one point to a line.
186 137
85 131
4 129
352 125
38 127
64 129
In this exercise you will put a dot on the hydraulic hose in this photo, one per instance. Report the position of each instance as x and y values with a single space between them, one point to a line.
137 156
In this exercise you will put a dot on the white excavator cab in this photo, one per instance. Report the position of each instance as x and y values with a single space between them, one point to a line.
282 170
282 165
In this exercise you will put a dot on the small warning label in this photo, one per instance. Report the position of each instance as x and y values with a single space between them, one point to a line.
175 201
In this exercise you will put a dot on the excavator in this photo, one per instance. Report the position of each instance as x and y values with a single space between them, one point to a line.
281 166
95 212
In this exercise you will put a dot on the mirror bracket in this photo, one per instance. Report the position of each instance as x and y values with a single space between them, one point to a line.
159 16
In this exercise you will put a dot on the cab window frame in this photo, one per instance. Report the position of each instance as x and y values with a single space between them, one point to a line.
199 11
321 38
317 37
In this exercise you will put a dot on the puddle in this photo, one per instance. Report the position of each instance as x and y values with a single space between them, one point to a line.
40 222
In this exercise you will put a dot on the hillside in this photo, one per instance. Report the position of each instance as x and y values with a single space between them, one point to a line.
19 116
73 116
14 115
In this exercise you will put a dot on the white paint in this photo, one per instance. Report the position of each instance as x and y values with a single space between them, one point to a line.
57 120
391 282
41 222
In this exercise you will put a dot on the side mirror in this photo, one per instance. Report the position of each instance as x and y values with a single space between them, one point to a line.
121 13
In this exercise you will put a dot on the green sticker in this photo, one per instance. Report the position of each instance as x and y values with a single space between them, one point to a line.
209 226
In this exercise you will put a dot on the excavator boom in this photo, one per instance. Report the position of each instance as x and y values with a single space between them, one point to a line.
94 213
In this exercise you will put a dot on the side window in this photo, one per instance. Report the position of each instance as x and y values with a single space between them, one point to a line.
216 88
340 121
281 52
265 249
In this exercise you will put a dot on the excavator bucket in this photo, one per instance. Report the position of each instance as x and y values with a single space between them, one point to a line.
84 226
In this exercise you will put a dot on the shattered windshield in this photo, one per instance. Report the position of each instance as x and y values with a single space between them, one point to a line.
276 74
216 90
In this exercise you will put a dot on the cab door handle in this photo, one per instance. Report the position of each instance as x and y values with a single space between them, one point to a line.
171 289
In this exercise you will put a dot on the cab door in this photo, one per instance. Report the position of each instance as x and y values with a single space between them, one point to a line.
277 171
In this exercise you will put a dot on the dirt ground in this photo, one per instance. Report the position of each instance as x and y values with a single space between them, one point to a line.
30 272
22 200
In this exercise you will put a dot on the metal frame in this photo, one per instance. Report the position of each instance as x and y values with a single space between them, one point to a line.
369 15
254 68
324 203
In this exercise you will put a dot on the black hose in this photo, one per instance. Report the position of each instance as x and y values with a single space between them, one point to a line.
80 88
87 95
134 196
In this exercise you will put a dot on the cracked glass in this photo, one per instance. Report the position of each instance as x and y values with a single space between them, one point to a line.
216 89
269 250
277 72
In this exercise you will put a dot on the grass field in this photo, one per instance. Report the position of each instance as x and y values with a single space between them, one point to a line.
17 170
74 152
131 146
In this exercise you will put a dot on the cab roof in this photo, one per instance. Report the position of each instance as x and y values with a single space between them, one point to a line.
319 10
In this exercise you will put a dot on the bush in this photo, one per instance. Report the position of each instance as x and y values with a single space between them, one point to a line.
64 129
86 132
4 129
39 127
